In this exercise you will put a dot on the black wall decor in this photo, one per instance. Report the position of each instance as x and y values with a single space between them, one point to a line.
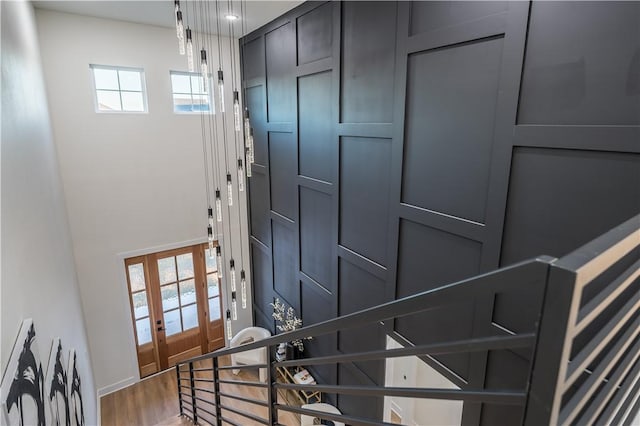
58 386
23 382
401 146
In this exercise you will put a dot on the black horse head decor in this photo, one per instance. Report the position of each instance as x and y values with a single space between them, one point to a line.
75 394
23 382
57 387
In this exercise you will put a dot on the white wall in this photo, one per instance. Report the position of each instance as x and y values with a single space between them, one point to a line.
38 274
412 372
132 181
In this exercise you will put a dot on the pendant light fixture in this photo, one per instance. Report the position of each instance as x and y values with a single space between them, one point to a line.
218 206
221 89
247 123
236 111
222 148
219 261
176 9
234 306
240 176
243 289
229 190
251 152
210 232
204 69
232 271
190 63
180 32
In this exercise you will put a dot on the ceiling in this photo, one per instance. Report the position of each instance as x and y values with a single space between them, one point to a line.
258 12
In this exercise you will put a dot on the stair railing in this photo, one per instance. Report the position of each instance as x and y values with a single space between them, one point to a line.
585 295
587 365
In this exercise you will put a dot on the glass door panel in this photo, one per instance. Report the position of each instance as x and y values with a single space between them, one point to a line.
178 289
137 280
213 291
215 327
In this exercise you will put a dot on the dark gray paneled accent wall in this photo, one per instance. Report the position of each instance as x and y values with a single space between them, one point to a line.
279 63
431 16
450 118
591 199
368 62
315 35
401 146
315 126
365 175
584 70
285 281
282 162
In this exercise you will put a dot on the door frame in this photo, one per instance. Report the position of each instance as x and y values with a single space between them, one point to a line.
161 340
129 324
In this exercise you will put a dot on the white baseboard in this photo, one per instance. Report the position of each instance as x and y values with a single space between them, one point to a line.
116 386
98 412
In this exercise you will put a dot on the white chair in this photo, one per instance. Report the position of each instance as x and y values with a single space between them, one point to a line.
306 420
254 356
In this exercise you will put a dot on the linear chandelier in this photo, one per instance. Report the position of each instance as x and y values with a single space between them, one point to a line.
194 29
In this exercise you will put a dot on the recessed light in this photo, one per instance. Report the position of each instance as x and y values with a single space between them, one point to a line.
231 17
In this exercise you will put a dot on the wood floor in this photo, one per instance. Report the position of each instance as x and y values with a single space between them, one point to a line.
154 401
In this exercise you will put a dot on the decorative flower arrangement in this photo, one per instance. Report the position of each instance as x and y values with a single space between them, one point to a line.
287 321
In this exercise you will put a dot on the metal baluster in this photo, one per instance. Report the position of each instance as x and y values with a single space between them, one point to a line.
193 393
272 396
179 389
216 389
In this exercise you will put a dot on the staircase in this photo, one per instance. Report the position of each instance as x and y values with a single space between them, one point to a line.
583 350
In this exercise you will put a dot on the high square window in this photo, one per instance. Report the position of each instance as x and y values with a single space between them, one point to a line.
119 89
189 93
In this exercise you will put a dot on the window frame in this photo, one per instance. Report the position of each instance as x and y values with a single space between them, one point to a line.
212 107
143 89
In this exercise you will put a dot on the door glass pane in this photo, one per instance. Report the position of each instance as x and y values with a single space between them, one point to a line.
212 285
136 277
108 101
172 322
143 329
132 101
211 261
140 305
130 80
169 297
190 316
106 79
214 308
185 266
167 270
187 292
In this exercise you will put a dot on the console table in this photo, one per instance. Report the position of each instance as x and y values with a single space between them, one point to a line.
304 397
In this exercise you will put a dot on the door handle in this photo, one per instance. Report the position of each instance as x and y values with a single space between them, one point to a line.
160 328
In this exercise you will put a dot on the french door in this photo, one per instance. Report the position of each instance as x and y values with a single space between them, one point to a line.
175 306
